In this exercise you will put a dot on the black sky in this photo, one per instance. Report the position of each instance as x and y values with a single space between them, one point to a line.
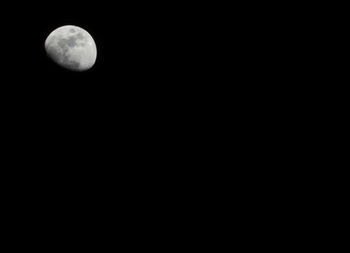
141 95
121 145
123 133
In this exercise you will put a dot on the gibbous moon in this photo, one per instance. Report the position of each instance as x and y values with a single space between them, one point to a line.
71 47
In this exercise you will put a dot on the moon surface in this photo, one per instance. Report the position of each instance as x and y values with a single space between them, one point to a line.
71 47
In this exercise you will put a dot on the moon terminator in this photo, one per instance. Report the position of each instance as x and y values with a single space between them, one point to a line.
71 47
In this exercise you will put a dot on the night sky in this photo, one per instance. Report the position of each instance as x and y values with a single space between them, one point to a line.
144 151
117 147
145 64
136 106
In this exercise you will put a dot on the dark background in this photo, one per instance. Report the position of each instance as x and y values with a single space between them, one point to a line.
134 149
115 141
142 92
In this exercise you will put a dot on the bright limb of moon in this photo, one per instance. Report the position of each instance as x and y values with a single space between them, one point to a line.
72 48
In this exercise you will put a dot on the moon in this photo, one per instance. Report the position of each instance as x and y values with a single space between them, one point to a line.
71 47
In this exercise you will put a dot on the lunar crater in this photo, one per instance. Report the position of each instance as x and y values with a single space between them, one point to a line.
71 47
